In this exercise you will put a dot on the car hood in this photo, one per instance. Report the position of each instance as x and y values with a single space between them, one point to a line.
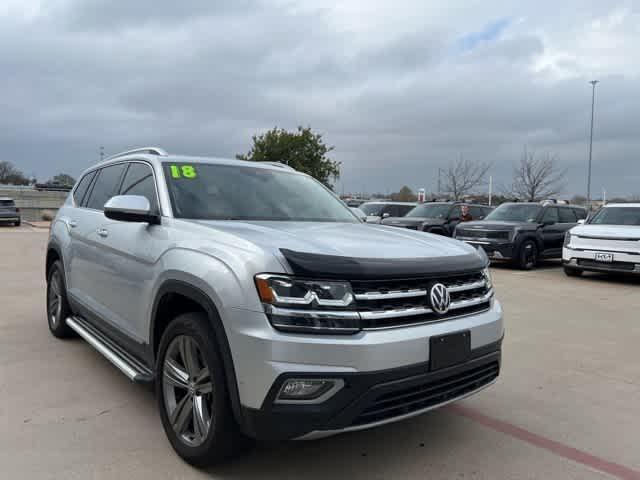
494 225
411 221
354 240
621 232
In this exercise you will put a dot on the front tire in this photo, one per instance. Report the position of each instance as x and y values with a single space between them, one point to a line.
58 309
527 257
192 393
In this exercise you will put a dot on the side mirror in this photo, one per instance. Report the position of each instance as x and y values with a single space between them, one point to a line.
130 208
386 215
581 221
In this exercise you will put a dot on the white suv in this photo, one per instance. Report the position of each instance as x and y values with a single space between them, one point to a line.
259 304
608 242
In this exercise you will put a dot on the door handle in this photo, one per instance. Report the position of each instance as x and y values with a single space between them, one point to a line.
103 232
73 224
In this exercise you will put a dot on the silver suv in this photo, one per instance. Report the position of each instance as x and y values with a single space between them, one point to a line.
260 306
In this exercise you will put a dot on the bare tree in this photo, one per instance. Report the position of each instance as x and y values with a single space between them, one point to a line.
537 177
463 176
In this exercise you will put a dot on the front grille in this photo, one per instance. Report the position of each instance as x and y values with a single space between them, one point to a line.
390 303
489 234
418 397
621 266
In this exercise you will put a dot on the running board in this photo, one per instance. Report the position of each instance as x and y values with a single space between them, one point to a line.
132 368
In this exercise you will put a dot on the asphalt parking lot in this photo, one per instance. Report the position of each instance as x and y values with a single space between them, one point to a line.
567 404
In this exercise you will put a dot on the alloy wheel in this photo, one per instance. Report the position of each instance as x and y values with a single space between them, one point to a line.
188 390
54 298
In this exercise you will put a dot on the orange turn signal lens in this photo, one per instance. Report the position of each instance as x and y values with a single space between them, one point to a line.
264 290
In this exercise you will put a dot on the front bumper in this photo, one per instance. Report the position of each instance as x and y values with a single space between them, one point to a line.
263 358
494 250
585 260
370 399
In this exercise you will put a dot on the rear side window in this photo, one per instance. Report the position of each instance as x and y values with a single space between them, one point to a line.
477 213
567 215
81 189
139 181
105 186
581 213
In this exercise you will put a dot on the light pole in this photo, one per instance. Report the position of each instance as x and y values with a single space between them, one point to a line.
593 100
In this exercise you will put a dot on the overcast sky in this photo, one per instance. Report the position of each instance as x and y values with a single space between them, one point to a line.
399 87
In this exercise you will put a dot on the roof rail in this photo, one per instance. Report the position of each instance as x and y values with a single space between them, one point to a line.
279 164
147 150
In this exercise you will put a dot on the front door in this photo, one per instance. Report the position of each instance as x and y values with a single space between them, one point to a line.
552 232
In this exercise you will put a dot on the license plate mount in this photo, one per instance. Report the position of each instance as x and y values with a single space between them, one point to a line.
448 350
604 257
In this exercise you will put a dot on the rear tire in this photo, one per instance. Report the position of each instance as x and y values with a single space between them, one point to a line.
572 272
192 393
58 309
17 224
527 257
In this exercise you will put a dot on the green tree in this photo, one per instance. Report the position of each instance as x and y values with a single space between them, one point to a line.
302 150
10 175
63 179
404 195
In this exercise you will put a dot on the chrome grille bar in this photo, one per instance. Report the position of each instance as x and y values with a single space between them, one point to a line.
391 295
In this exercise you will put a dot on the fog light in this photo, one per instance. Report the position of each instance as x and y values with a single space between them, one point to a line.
308 390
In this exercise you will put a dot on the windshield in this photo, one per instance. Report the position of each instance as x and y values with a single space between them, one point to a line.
617 216
372 208
228 192
430 210
513 212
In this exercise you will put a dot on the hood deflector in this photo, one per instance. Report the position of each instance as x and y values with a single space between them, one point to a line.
351 268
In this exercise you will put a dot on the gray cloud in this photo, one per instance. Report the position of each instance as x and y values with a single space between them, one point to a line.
398 100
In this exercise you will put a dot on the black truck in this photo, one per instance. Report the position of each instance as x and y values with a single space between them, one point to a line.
522 233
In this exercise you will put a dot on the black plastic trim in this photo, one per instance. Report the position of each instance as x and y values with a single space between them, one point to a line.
281 422
352 268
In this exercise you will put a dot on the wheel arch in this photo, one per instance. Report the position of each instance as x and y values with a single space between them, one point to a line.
53 253
196 297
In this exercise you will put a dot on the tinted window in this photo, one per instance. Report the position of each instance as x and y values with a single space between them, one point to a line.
567 215
456 212
139 181
374 209
105 186
550 215
81 189
477 212
404 209
7 203
225 192
581 213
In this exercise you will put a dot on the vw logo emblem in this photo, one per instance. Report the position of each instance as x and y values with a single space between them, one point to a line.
439 298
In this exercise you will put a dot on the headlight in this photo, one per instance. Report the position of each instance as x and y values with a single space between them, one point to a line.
567 239
307 306
487 278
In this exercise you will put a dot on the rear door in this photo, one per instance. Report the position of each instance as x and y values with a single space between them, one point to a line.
130 251
567 220
87 275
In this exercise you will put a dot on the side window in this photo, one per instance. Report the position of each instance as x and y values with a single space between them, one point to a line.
581 213
83 186
567 216
477 212
139 181
550 215
455 213
105 186
404 209
389 210
487 211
